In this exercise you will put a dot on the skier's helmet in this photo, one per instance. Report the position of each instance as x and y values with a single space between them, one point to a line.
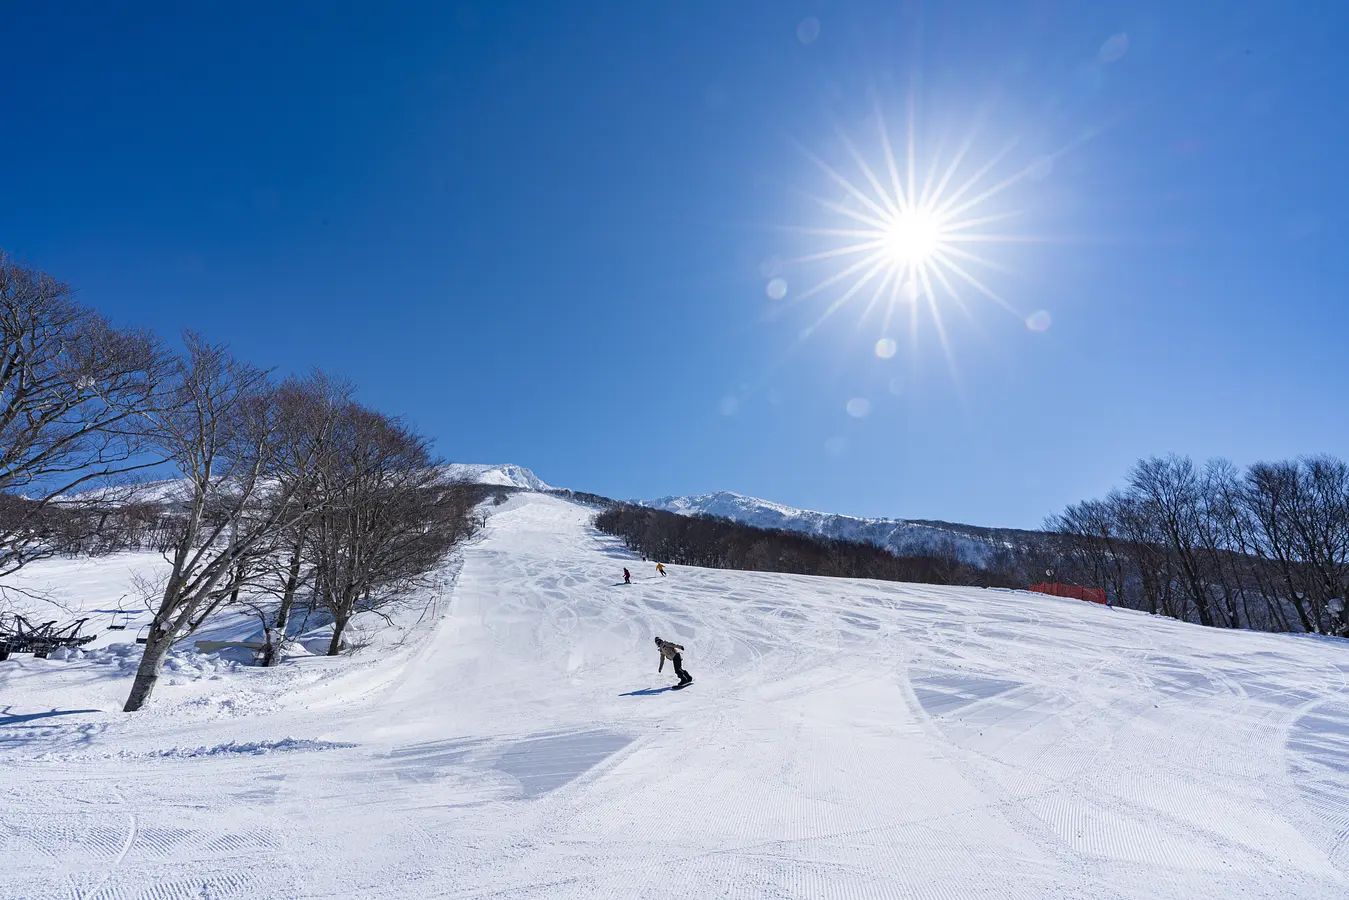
657 640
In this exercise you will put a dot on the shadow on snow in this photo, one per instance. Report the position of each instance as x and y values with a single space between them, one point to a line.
15 719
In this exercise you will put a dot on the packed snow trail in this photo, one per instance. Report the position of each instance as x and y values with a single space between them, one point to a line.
845 739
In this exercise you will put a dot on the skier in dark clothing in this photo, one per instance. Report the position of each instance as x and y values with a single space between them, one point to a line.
670 651
627 577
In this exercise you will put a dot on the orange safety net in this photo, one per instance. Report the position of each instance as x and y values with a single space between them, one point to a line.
1090 594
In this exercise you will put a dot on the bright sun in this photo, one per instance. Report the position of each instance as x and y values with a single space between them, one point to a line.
908 233
913 237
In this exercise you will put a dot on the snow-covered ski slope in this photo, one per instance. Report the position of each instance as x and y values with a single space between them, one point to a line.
843 739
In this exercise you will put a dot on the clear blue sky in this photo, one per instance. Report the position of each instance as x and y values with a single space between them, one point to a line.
545 232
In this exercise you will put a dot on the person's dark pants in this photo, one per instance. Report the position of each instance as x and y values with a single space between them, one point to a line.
679 669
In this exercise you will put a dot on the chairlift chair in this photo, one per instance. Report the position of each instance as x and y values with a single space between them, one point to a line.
119 620
143 636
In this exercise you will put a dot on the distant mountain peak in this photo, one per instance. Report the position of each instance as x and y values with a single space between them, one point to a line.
901 536
503 474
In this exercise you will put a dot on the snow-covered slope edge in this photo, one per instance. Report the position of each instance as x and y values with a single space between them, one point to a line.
897 535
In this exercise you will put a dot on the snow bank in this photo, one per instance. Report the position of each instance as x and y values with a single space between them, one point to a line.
180 663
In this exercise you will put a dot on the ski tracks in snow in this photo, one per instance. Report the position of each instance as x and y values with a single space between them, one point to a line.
845 739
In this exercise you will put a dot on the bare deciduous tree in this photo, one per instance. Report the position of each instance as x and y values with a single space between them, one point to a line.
72 390
311 409
226 433
1267 548
387 519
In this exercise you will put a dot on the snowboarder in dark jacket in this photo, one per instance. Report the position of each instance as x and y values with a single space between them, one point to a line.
671 652
627 577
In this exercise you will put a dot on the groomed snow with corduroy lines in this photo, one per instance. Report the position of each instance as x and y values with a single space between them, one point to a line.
842 739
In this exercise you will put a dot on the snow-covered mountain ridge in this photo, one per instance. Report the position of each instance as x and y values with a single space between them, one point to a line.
504 475
906 537
176 490
901 536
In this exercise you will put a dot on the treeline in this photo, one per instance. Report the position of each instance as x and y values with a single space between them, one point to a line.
724 544
583 497
1264 548
284 493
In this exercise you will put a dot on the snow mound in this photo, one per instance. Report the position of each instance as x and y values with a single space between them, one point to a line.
900 536
181 663
506 475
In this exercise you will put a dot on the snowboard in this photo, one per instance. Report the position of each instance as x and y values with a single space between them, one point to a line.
680 687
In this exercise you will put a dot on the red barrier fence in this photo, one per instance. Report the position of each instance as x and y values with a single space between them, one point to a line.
1091 595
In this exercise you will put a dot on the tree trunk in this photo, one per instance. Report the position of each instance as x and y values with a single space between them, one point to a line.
1233 615
335 646
1299 602
149 670
1150 589
1195 585
276 635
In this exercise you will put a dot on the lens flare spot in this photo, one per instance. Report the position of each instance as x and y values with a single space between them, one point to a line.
859 407
886 347
1114 48
729 406
836 446
808 30
896 386
1039 320
777 289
